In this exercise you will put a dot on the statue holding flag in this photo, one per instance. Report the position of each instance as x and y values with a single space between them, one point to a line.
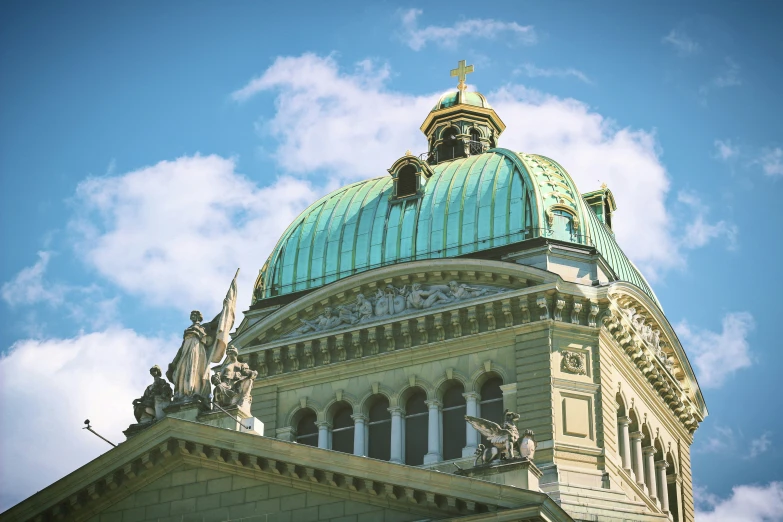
202 344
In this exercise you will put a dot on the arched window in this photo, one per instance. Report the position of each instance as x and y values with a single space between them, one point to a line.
672 488
450 147
342 429
306 430
407 182
454 410
416 428
476 147
379 429
562 225
491 405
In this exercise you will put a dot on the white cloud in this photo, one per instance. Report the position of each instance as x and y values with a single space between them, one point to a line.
684 45
698 231
348 124
772 162
724 150
718 355
448 36
726 441
760 445
28 286
49 387
749 503
532 71
175 232
729 76
354 127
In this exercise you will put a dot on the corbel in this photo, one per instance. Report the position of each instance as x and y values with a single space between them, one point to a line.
489 314
437 321
505 307
472 320
456 324
388 334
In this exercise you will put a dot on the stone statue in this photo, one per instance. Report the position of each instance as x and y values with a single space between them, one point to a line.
233 382
149 407
419 298
504 438
364 309
485 455
325 321
390 301
202 344
460 291
527 446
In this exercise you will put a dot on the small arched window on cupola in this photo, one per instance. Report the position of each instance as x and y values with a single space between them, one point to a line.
476 146
450 147
407 181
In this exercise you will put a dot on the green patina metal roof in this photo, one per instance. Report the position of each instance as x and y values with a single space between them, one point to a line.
464 97
469 204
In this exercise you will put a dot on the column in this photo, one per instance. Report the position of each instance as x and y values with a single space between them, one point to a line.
471 435
636 452
625 443
663 494
323 434
359 421
649 467
396 435
433 433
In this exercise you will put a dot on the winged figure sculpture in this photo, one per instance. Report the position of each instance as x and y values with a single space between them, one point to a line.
504 438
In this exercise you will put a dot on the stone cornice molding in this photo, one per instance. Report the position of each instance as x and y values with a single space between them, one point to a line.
173 442
643 336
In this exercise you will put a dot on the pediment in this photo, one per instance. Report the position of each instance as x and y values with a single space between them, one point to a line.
392 293
178 468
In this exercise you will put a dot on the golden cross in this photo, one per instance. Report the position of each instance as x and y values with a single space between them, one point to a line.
461 72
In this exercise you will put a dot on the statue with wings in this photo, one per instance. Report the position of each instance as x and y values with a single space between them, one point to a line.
504 438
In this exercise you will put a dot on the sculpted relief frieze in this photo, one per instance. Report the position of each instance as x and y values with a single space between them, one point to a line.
391 301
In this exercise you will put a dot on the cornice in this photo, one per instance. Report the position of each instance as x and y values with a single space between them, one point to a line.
173 442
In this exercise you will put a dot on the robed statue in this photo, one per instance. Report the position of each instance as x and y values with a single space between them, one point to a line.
233 382
202 344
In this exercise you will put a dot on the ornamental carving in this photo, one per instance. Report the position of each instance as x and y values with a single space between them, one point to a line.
574 362
649 334
392 301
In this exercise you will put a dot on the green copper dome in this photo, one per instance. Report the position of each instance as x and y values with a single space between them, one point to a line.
461 97
467 205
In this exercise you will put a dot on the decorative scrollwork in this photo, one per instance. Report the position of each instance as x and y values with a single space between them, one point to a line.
574 362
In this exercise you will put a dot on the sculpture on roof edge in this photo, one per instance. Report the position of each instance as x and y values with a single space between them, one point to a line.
149 407
503 439
202 344
233 382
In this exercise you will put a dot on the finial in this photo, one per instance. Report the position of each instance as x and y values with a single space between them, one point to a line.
408 152
603 186
461 72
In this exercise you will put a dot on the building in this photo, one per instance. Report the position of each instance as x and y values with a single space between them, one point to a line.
469 280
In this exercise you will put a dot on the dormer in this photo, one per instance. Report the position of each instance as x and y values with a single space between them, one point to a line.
602 202
410 174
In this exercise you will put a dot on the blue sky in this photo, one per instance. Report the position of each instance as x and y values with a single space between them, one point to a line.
147 150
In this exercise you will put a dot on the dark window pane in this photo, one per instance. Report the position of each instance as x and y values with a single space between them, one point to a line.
492 403
380 409
406 181
416 427
380 440
306 430
342 417
415 439
453 396
379 429
415 403
453 432
343 440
